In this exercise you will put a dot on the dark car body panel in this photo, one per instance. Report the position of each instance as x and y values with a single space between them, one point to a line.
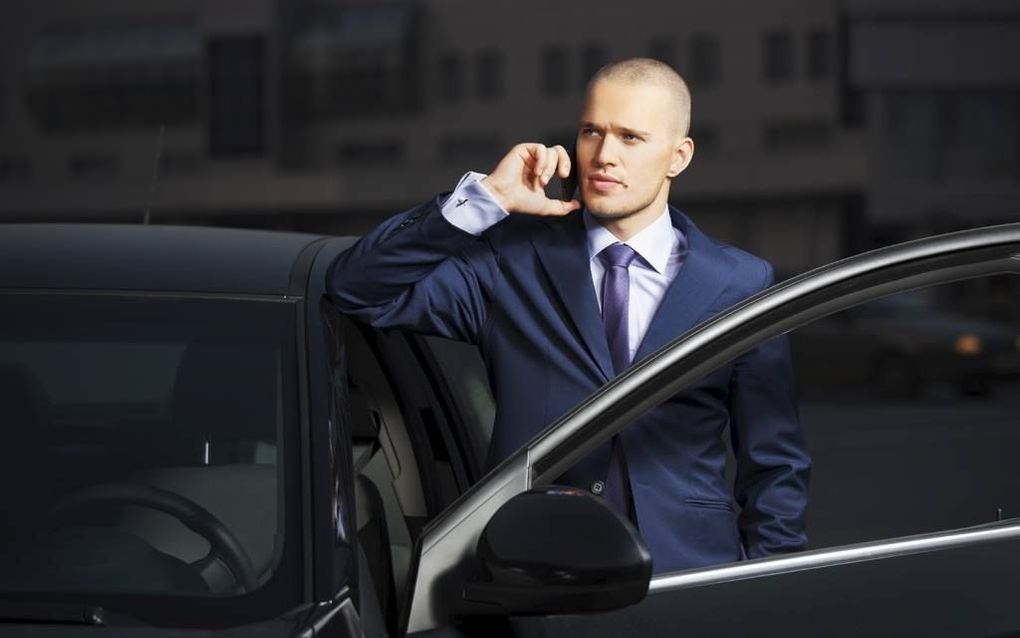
148 258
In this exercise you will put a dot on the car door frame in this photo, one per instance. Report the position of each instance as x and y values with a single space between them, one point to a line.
330 568
442 561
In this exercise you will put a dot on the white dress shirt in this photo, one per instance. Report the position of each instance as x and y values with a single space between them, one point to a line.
660 246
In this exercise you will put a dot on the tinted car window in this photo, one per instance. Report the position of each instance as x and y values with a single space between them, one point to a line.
153 395
909 407
462 370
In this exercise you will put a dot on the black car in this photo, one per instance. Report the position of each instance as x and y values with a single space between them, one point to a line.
197 443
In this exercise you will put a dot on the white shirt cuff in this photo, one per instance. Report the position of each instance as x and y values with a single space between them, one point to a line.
471 207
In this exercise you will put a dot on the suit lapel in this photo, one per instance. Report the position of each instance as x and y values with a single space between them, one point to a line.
701 279
563 251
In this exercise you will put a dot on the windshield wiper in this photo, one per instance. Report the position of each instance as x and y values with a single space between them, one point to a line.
59 613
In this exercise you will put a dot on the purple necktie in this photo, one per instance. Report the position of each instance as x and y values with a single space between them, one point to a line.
615 300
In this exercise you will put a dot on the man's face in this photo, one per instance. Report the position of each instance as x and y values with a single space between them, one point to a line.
626 144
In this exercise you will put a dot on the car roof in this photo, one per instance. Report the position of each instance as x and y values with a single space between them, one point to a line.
148 258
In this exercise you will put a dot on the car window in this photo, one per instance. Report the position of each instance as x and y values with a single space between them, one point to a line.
460 369
909 409
123 417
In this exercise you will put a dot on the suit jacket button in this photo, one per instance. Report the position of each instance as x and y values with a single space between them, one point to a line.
597 487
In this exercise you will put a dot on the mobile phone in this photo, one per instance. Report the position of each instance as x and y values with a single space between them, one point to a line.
568 184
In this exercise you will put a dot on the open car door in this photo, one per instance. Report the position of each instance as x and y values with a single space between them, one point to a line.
944 583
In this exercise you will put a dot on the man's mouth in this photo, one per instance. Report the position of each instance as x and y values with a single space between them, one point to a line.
603 183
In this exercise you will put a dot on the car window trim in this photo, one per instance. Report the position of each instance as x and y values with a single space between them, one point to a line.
841 555
152 294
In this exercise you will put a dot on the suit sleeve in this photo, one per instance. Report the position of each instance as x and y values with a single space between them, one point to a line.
417 271
773 464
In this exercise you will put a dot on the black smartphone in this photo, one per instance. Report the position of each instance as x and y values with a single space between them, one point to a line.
568 184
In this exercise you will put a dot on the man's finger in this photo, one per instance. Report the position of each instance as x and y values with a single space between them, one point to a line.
564 163
541 161
551 162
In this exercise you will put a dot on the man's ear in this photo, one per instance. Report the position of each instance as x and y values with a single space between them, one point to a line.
683 153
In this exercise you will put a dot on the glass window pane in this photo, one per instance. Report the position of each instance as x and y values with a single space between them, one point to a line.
490 75
909 406
705 66
554 70
451 80
104 395
777 57
819 55
594 55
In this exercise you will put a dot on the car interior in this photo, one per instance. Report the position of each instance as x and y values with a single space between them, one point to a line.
96 493
227 436
397 435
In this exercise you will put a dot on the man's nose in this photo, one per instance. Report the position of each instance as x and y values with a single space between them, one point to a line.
605 154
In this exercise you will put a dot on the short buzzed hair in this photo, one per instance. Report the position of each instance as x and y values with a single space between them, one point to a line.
650 71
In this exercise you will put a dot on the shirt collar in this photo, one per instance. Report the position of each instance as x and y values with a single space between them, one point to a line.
654 243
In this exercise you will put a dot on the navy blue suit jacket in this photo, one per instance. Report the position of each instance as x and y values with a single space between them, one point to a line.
523 293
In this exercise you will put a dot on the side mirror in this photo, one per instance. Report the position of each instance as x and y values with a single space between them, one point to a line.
559 550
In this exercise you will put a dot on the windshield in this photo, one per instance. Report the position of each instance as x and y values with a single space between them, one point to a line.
143 444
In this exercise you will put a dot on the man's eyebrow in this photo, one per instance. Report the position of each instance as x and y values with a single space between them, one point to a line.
632 131
620 129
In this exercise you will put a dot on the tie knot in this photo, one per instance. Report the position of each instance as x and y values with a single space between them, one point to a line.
617 255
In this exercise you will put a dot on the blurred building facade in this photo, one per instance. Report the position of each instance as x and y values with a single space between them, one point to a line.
937 85
821 127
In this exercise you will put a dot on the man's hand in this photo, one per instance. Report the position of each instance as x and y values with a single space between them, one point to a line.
519 180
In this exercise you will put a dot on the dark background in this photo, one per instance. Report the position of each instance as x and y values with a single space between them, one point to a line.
822 128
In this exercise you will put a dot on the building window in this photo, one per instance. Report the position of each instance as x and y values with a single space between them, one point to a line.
236 96
593 57
357 61
136 76
451 77
480 148
385 152
952 134
490 75
705 69
665 50
796 135
987 133
555 71
911 130
777 57
819 55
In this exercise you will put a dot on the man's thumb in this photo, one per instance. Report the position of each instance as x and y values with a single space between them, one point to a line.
560 207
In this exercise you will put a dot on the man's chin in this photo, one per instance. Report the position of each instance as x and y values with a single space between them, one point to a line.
604 210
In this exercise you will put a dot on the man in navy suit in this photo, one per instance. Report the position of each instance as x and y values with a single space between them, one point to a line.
560 297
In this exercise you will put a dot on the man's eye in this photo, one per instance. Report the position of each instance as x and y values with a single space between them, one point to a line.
630 137
589 132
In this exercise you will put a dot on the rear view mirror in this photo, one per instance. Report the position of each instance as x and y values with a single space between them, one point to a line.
559 550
